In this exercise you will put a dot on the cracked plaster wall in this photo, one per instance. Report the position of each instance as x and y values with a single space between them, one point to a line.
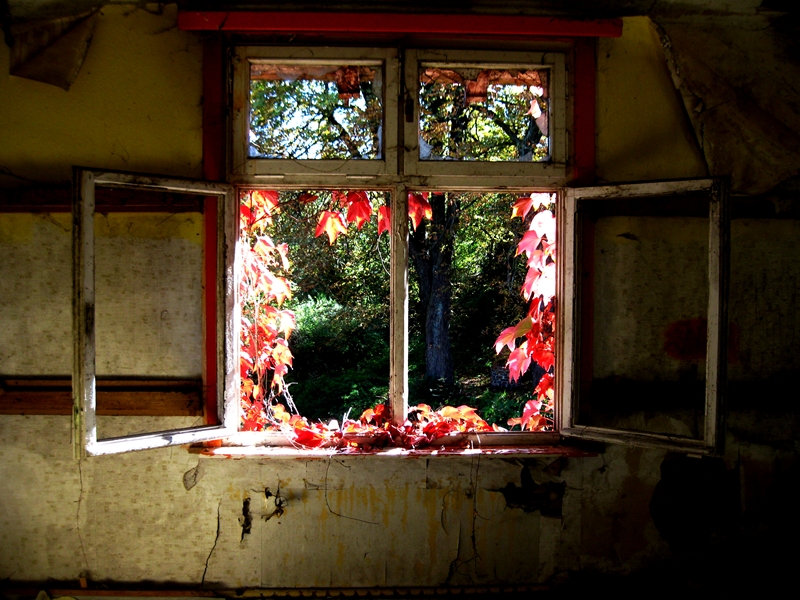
169 516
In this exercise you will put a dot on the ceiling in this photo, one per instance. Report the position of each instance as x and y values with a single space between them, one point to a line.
24 10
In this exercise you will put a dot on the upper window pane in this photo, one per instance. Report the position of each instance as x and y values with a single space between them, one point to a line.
477 113
303 110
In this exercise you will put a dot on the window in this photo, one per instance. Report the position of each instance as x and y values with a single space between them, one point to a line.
219 382
643 325
474 125
411 137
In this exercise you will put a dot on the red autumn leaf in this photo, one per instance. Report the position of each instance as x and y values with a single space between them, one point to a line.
340 198
331 223
531 278
529 242
279 289
545 385
288 322
418 208
283 252
530 411
543 356
544 224
384 219
522 207
509 335
359 212
306 198
264 247
357 196
308 437
281 354
518 362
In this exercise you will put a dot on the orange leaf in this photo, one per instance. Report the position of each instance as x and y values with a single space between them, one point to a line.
384 219
332 223
508 336
359 212
418 208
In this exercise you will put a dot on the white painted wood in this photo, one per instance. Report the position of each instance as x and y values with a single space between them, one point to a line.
398 307
718 277
85 441
84 424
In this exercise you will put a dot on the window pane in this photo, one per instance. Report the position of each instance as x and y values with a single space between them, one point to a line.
483 114
472 280
645 289
148 272
315 304
314 111
764 363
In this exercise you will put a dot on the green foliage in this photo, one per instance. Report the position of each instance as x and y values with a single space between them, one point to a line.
497 129
307 119
341 361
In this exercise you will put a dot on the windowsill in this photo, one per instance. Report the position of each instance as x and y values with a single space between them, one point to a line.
493 444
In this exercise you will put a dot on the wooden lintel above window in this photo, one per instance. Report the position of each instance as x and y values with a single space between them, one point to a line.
53 396
59 199
395 23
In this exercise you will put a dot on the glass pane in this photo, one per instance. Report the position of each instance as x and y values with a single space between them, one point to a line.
483 114
148 315
315 305
645 294
481 309
312 111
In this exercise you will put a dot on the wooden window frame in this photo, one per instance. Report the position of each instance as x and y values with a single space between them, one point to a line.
221 322
573 319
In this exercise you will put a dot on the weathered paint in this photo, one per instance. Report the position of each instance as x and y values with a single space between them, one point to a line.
643 132
134 106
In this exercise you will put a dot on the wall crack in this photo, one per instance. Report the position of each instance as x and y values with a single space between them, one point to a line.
216 539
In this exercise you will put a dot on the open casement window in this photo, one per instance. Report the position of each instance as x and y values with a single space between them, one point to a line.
132 305
643 314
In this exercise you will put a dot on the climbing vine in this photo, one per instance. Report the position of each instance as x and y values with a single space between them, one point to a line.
266 327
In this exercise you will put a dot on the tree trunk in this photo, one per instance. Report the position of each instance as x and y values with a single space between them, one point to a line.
431 249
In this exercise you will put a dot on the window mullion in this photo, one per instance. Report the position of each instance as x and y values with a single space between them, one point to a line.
716 358
398 306
84 427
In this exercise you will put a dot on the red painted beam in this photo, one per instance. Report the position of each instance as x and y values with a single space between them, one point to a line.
388 23
583 125
213 170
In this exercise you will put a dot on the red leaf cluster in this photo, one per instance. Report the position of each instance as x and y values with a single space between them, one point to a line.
537 329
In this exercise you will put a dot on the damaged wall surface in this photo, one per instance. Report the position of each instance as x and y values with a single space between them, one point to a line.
169 517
